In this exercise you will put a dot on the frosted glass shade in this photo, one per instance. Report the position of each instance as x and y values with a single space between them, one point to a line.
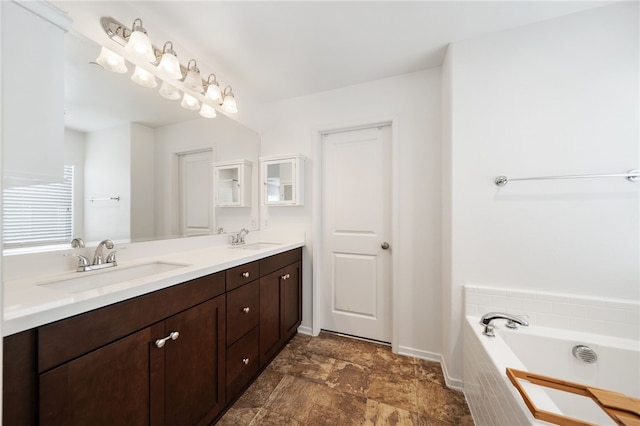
167 91
207 111
144 78
169 66
193 81
229 104
111 61
139 46
214 93
189 102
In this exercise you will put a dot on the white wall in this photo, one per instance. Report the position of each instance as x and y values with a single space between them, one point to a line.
142 182
553 98
291 126
107 174
228 139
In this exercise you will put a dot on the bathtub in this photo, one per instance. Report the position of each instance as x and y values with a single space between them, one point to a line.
493 400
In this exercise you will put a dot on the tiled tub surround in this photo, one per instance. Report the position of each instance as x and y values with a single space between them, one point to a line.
544 350
609 317
28 305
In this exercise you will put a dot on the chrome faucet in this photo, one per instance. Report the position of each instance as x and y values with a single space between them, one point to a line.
238 239
98 255
98 258
512 320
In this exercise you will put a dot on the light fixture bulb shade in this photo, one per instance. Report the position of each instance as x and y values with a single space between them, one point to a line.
111 61
167 91
189 102
214 93
144 78
140 46
169 66
207 111
229 104
193 81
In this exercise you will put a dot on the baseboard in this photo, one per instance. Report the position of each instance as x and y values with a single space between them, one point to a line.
305 330
451 383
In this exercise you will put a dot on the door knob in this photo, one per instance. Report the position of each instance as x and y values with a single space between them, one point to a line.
385 246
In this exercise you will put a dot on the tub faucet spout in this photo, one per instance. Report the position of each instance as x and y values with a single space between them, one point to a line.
487 321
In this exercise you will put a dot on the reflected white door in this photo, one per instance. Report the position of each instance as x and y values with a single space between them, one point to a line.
195 193
356 212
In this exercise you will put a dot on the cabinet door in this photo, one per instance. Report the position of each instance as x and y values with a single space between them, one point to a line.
108 386
270 324
195 364
291 299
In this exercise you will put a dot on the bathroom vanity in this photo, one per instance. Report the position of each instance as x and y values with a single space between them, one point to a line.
177 355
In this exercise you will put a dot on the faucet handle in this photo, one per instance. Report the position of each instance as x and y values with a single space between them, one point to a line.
514 325
111 258
82 260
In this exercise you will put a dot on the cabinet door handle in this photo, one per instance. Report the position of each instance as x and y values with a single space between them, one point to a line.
286 276
245 361
246 309
172 336
245 274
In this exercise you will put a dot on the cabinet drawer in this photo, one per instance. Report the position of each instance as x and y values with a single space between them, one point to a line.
273 263
242 362
241 275
243 310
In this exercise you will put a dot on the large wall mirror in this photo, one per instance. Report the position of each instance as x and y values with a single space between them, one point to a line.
141 163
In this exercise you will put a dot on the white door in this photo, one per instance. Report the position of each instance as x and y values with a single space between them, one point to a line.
194 175
356 212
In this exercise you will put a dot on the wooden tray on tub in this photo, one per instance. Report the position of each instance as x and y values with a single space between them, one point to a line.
623 409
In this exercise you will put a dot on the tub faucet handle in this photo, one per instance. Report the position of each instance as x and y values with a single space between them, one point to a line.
488 330
514 325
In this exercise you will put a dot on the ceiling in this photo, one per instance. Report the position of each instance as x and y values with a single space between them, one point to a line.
278 50
269 51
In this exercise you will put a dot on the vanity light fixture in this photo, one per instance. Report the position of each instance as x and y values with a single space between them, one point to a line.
143 77
111 61
213 89
189 102
139 44
177 80
170 92
169 65
207 111
229 101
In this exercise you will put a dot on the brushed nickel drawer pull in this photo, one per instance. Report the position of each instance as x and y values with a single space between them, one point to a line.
246 309
245 361
286 277
172 336
245 274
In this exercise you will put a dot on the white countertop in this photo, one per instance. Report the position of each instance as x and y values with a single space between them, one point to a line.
27 304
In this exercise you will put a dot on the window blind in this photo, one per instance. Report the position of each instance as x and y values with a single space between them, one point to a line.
38 215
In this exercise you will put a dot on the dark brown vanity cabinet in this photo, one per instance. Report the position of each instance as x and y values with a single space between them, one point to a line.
280 303
125 364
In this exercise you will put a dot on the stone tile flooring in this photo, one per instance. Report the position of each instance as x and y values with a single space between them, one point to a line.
335 380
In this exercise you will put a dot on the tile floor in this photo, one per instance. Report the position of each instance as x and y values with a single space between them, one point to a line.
335 380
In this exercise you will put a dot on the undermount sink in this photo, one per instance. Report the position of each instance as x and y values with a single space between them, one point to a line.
106 277
259 246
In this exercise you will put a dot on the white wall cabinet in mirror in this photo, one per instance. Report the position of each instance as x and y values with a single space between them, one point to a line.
283 180
232 183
